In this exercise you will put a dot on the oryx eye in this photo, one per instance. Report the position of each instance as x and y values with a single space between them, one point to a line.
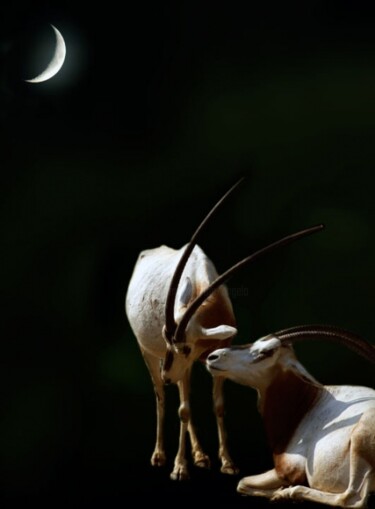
186 350
259 355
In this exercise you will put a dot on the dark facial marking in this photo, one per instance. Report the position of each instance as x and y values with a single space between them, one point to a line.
263 355
168 360
186 350
239 347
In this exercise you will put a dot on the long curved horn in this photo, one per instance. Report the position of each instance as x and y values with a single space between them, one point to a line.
318 332
179 334
170 324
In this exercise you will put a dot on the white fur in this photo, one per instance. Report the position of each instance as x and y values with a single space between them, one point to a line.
145 308
334 442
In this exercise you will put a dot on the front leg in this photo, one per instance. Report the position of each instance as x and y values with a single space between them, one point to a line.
347 499
227 465
180 470
262 485
200 459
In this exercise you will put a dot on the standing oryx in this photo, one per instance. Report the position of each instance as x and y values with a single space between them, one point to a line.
180 312
322 437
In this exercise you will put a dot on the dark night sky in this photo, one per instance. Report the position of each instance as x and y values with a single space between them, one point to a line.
155 113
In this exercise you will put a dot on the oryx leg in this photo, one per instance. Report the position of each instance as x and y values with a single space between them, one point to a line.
353 497
180 471
262 485
158 456
227 465
361 475
199 457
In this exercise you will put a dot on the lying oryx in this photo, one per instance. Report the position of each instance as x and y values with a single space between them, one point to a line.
322 437
180 312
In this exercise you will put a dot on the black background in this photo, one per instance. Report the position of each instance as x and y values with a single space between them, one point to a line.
158 109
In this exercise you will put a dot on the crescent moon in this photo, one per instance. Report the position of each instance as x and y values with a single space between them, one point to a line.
57 60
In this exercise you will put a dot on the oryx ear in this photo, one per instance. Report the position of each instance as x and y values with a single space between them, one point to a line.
220 332
269 342
265 347
184 296
186 293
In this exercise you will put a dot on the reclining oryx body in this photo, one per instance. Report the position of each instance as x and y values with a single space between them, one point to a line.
180 312
322 437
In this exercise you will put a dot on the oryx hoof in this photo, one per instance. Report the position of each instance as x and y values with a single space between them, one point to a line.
201 460
282 494
158 459
180 473
244 489
229 468
287 493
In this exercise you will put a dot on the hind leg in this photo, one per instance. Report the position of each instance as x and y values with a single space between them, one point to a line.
354 497
158 456
199 457
361 476
227 465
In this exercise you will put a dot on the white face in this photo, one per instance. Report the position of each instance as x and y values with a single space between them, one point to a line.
247 364
176 363
180 357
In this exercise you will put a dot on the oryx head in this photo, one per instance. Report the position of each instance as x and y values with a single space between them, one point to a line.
199 334
182 333
255 364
